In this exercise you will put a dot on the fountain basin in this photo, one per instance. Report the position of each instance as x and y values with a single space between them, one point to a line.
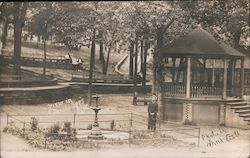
114 135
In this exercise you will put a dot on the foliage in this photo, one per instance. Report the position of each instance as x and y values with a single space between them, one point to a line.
89 127
67 128
227 20
55 129
112 125
33 123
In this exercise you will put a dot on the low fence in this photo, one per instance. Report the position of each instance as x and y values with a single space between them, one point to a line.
27 83
132 127
79 121
58 63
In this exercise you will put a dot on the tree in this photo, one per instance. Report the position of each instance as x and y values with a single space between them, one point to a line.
227 20
41 24
20 9
6 17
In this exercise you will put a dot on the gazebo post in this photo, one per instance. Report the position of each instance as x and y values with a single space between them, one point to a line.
188 81
232 76
233 71
213 72
224 95
188 107
173 73
242 79
204 70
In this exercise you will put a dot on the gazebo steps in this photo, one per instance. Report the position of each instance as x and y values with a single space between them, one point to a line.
241 107
245 115
243 111
237 103
247 119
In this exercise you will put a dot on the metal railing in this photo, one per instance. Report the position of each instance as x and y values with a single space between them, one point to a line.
133 124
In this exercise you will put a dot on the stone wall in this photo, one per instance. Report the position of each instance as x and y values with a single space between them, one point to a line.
201 112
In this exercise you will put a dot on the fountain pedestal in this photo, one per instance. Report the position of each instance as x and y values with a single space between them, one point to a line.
96 133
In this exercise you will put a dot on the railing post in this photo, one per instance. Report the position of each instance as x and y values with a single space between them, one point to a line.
45 141
23 128
199 134
130 129
159 122
74 120
129 139
7 119
131 120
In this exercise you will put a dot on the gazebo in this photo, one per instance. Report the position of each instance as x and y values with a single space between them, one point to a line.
198 78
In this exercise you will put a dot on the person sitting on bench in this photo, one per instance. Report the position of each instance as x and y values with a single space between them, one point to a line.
68 58
79 63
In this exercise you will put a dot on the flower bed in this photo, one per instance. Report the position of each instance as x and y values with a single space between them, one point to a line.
156 139
56 138
41 139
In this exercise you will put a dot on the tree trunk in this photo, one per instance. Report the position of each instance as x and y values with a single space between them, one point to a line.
92 62
17 41
101 54
101 57
51 39
107 63
236 38
131 63
31 37
4 32
115 49
44 62
142 55
135 72
19 18
144 70
38 38
157 60
101 47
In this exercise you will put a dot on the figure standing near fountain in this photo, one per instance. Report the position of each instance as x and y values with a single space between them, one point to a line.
152 112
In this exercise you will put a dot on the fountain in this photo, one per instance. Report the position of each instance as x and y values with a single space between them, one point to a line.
96 133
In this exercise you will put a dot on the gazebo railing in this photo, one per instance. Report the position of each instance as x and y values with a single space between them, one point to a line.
196 91
172 90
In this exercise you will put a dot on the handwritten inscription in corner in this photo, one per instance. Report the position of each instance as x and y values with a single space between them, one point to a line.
219 136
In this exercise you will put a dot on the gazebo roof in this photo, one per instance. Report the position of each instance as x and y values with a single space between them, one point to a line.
200 43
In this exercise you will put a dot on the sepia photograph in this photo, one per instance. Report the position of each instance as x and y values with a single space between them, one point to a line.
125 79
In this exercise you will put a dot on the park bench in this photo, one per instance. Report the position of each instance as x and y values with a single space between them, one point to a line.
143 98
115 79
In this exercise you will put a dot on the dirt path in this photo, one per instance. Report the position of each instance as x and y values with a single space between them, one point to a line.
12 143
215 142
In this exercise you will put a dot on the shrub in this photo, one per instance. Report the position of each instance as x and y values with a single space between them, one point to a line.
33 123
55 129
74 132
5 129
89 127
67 127
112 125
